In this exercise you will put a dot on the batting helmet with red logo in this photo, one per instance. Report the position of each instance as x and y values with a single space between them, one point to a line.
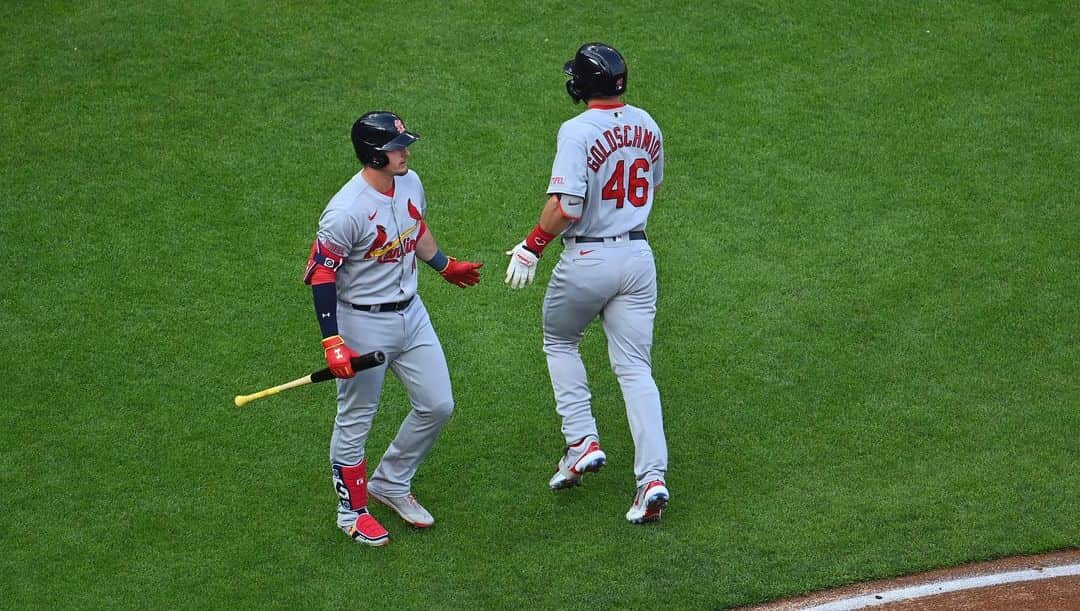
377 132
597 70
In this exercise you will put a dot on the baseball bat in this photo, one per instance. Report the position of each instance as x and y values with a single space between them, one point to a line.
359 363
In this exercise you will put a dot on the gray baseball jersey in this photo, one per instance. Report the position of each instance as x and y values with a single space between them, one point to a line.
613 158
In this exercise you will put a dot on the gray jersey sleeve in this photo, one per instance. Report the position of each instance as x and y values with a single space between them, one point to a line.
338 230
568 172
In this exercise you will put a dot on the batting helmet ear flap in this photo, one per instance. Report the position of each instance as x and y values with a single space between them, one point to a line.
374 158
571 88
377 160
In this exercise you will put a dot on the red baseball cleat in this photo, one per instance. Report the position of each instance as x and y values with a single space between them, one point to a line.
649 502
583 457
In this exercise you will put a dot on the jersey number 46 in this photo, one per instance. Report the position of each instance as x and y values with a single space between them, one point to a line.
631 185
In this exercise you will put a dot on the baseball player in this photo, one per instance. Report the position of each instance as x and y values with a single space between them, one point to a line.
362 273
608 165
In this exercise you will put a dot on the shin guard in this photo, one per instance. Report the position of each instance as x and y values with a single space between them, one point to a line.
350 482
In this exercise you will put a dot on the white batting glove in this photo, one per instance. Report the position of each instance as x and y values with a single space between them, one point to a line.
522 268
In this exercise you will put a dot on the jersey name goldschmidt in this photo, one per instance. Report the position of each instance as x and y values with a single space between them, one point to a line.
376 234
613 158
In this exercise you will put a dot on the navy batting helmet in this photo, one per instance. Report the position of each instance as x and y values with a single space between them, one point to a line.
597 70
377 132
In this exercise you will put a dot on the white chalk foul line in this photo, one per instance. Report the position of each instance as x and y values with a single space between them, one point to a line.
942 587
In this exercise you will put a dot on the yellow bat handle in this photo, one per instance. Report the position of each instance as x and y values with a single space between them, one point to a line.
242 400
360 362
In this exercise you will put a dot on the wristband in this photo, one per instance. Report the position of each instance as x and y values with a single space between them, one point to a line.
438 261
333 341
538 239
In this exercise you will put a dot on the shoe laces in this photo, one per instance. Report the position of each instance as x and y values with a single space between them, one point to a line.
411 501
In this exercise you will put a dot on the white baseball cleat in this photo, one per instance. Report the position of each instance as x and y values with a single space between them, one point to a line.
649 502
583 457
367 530
407 507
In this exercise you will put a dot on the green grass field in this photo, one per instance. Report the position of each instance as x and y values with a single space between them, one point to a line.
868 338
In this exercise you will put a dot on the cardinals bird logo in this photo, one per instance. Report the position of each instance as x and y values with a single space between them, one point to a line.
392 251
380 239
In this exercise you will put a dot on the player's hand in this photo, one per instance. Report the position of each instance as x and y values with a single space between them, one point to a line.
522 268
338 356
462 273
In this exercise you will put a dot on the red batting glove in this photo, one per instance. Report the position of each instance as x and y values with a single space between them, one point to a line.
462 273
338 356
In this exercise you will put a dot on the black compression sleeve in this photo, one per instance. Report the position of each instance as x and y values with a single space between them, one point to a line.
325 297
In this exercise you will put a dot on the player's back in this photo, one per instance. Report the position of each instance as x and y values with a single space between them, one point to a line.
623 165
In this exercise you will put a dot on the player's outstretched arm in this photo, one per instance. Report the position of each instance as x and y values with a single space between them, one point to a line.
526 254
459 273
